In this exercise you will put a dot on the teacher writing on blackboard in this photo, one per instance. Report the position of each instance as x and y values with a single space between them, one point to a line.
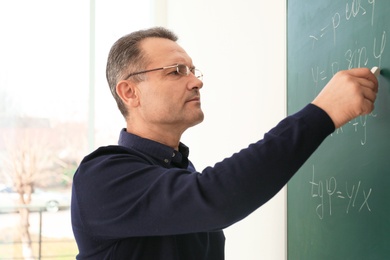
143 199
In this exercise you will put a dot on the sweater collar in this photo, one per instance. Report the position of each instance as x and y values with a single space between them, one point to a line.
163 153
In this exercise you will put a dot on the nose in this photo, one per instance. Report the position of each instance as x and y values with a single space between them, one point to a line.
198 84
195 82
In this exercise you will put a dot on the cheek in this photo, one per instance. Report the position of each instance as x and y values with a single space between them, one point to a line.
161 104
162 100
168 99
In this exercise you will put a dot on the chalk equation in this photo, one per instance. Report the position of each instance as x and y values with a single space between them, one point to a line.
359 127
326 192
356 54
354 9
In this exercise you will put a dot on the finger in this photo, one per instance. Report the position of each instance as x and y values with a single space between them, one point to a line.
368 107
372 78
367 88
369 83
363 73
369 94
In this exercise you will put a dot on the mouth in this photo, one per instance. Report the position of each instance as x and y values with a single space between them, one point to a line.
194 99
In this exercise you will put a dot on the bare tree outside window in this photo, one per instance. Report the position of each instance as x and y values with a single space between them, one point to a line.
38 155
54 99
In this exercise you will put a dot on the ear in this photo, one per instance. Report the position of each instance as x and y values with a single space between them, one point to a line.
128 92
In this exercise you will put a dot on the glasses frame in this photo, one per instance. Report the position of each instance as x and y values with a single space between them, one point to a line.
188 71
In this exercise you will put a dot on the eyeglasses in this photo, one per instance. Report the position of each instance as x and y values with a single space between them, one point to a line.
181 69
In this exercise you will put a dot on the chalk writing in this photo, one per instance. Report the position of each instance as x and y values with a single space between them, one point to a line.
378 55
354 9
359 125
327 191
356 54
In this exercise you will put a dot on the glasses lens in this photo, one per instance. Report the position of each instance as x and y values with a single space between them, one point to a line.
198 74
183 70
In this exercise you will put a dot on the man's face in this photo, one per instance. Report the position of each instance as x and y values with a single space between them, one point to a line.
167 99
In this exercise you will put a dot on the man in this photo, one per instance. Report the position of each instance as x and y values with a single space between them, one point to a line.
143 199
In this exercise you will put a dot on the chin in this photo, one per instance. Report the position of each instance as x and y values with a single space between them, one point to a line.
196 119
199 119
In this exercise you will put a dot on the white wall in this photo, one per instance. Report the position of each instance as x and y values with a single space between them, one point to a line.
114 19
240 47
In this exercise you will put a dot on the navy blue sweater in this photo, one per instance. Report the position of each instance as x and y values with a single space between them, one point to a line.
144 200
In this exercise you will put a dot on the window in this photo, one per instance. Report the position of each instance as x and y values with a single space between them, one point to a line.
55 107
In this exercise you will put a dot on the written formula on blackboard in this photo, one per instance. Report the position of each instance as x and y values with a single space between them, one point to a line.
338 201
326 192
353 9
359 126
356 54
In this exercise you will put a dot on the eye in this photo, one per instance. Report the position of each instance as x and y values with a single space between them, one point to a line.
173 72
183 70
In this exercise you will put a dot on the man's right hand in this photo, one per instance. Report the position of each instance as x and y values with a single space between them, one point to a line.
349 94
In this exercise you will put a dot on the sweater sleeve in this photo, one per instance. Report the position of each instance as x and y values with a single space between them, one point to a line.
122 195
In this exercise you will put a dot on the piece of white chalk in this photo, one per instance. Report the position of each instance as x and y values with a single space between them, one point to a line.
376 71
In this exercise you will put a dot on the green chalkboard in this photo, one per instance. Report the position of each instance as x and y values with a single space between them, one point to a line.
339 201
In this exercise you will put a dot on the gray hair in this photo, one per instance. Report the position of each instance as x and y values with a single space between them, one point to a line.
127 57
